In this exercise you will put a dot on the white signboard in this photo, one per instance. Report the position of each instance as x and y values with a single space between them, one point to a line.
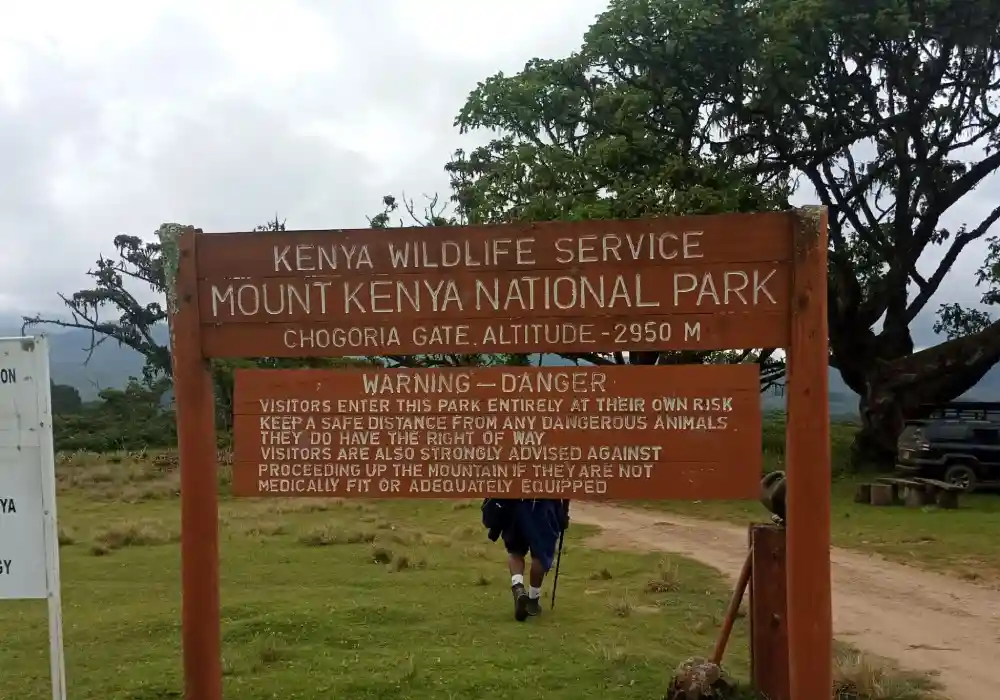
29 538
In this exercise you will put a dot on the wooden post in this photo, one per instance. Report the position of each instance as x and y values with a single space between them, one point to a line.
200 614
810 618
768 612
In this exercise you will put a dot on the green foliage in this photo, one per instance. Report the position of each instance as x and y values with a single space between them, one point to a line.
888 110
686 106
435 214
134 324
618 129
65 399
841 437
955 321
134 418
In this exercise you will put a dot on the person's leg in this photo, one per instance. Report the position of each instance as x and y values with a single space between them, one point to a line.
517 550
516 563
537 576
543 536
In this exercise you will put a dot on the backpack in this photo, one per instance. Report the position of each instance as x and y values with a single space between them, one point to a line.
496 516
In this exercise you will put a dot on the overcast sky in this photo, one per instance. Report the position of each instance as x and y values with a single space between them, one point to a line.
118 116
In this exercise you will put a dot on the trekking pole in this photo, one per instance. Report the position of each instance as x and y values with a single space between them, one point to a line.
733 609
555 579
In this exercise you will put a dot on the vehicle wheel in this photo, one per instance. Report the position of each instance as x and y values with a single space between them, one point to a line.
961 475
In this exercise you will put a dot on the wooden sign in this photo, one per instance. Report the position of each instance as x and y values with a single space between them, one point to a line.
686 283
507 432
674 283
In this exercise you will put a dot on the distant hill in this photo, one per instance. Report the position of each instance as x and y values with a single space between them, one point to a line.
111 365
108 367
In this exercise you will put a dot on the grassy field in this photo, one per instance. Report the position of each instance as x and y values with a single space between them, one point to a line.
352 599
961 542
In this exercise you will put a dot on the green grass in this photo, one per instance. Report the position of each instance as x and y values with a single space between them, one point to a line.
961 542
356 600
353 599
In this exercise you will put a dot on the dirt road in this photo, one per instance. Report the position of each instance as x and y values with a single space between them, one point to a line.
921 619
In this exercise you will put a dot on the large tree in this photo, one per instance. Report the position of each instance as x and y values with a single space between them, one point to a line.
573 147
887 108
112 311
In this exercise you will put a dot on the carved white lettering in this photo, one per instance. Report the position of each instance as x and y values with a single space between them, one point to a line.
309 257
612 248
417 383
468 254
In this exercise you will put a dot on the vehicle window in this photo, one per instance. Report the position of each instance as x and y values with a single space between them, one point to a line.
986 436
951 432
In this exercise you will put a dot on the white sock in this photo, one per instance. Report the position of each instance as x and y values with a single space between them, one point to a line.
534 593
517 580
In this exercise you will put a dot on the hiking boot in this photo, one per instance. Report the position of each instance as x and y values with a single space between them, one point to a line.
520 602
534 606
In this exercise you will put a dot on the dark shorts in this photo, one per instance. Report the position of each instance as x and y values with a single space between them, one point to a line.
535 529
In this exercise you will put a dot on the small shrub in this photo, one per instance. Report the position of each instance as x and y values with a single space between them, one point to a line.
667 580
272 651
141 534
622 607
265 529
860 676
299 506
330 535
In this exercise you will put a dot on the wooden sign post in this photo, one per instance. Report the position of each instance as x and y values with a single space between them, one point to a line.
611 432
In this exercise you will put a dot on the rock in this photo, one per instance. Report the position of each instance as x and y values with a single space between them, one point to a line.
698 679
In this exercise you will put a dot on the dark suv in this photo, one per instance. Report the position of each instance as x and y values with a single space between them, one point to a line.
958 443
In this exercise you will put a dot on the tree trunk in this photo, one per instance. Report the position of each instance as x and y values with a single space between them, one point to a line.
901 389
881 424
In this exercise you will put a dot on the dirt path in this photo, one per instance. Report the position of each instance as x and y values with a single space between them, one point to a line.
921 619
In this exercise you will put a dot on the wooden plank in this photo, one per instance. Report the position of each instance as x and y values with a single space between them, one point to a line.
768 624
810 616
699 481
598 286
898 482
724 238
607 383
942 485
568 334
584 433
201 634
477 436
605 291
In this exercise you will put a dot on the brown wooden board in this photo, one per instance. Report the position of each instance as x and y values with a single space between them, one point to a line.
768 612
608 291
694 283
576 334
583 433
723 238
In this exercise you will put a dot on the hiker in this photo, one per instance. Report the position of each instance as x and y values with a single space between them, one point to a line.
532 526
